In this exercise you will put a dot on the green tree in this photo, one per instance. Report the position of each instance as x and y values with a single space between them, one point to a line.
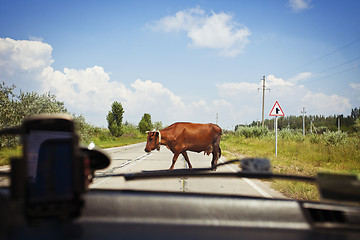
357 125
14 108
145 123
84 130
114 119
158 125
7 105
30 103
7 114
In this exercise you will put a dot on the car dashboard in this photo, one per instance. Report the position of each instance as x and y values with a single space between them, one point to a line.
129 214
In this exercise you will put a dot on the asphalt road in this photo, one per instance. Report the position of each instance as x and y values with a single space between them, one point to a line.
130 159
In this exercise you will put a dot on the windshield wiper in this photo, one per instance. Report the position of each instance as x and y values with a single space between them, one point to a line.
196 173
338 187
251 168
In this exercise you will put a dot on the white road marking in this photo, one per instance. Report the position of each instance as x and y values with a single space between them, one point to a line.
94 185
251 183
257 188
128 164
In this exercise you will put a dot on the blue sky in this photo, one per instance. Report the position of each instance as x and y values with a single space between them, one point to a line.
185 60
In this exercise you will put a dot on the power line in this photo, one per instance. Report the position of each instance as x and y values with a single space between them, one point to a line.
324 56
342 64
337 73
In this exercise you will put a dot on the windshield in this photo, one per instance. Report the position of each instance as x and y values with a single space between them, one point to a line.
160 160
266 79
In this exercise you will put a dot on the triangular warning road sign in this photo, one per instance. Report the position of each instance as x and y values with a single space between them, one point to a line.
276 110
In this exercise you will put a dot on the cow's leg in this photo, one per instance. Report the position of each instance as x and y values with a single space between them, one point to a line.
214 161
216 154
175 157
187 159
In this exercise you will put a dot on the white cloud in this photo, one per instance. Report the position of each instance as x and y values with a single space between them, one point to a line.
273 81
83 90
326 104
217 31
148 91
23 57
300 5
291 95
87 91
201 104
91 91
296 96
300 77
355 86
183 20
154 98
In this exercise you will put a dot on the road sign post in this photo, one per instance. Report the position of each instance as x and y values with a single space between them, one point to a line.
276 128
275 112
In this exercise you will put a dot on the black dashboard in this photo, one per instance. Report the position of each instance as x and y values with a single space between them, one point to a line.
128 214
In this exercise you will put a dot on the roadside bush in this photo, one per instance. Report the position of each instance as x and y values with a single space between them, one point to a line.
334 138
321 129
105 135
314 138
357 126
252 132
131 130
290 134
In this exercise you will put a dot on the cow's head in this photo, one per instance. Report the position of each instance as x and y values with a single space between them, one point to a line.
153 141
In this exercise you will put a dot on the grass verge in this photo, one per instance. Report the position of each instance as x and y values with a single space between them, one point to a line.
118 142
7 153
302 156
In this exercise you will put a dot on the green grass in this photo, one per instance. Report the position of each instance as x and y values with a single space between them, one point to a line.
7 153
118 142
302 156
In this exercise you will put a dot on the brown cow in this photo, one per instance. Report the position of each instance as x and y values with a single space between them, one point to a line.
181 137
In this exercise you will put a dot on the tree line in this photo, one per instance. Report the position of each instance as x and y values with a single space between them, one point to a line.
315 123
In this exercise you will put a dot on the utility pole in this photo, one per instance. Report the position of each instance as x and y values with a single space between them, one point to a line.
217 118
263 101
338 124
303 113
